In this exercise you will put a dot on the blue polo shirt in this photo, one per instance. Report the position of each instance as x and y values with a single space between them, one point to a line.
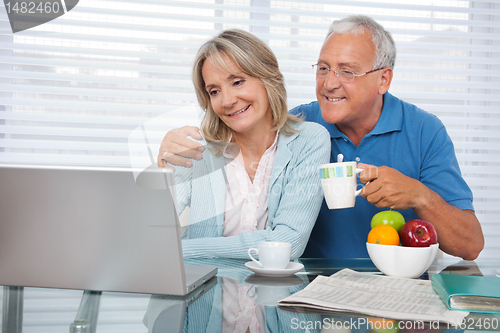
405 138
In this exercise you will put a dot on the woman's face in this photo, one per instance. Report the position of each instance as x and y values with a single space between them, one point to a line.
238 99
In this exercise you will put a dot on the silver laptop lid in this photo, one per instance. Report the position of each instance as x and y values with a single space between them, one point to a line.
89 228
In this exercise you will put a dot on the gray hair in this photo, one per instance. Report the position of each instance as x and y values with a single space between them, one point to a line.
385 48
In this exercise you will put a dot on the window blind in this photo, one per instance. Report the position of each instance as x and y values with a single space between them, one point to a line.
84 88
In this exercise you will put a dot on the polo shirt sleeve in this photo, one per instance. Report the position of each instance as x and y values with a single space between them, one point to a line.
440 170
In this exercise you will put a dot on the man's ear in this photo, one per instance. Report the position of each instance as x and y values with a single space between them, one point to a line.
385 80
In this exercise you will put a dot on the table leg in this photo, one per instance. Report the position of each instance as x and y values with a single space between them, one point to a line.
12 313
86 317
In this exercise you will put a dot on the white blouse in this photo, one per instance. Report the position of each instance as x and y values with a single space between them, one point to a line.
246 202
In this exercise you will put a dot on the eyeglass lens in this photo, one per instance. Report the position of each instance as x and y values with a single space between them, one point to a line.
341 74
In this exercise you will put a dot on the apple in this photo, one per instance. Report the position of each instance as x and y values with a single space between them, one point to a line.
390 217
418 233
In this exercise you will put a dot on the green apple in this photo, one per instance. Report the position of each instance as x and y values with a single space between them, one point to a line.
390 217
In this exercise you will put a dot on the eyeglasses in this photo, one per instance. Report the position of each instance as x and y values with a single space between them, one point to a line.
343 75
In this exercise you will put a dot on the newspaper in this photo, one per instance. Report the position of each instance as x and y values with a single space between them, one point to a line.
375 295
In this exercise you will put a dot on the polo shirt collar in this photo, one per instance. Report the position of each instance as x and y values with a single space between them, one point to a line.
391 119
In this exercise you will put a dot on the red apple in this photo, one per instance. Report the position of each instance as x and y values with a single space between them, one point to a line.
418 233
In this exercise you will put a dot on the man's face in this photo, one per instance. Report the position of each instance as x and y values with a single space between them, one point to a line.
349 104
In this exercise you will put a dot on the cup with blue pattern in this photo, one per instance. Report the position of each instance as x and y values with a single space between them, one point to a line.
339 183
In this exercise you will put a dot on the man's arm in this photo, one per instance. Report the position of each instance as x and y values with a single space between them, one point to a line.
459 231
176 147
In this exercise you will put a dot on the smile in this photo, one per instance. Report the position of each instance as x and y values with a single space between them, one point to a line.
334 99
238 112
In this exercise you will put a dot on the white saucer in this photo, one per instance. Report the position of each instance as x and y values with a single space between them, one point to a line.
266 281
290 269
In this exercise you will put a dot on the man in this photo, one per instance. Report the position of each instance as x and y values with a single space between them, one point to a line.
408 158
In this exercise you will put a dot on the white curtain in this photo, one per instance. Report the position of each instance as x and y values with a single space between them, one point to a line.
84 88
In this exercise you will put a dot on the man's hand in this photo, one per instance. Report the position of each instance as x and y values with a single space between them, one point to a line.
387 187
176 147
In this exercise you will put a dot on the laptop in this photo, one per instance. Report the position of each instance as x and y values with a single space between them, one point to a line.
104 229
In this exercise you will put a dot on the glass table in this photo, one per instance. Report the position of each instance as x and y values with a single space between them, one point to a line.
236 298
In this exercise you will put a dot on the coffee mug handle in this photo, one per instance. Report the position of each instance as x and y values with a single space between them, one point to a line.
250 255
254 292
358 170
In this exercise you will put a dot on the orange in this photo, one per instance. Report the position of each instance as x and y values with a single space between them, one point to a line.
380 325
383 234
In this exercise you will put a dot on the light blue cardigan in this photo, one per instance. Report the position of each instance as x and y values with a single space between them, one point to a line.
295 197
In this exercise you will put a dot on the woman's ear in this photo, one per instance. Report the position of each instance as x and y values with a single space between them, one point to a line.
385 80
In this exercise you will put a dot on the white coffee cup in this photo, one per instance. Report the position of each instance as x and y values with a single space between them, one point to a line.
339 183
272 255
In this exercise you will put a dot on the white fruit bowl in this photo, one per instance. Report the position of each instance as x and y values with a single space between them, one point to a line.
402 261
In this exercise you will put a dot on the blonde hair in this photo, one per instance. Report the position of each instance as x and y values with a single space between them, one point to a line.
254 58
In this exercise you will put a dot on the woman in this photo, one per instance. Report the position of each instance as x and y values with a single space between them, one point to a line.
258 179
